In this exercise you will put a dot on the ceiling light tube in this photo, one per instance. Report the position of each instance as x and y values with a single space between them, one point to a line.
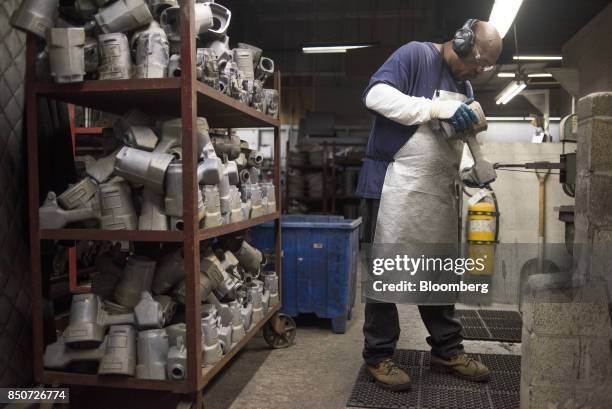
513 88
503 14
506 74
538 57
332 49
539 75
521 86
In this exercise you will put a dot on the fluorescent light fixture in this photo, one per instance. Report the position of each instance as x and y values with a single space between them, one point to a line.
503 14
516 118
538 57
511 90
540 75
534 75
332 49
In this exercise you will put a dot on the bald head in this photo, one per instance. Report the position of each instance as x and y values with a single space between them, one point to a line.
487 49
488 42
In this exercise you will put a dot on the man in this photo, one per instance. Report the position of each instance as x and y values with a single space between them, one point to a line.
409 180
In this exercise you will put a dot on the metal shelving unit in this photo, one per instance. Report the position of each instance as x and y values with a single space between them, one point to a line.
185 97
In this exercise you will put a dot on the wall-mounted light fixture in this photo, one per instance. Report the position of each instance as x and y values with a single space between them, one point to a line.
510 91
332 48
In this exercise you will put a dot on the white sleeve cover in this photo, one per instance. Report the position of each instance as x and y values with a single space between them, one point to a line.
397 106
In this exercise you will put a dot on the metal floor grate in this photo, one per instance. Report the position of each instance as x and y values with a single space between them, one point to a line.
434 390
491 325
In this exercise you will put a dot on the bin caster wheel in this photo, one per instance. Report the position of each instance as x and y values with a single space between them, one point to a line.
280 331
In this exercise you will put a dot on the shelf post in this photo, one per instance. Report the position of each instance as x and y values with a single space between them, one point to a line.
191 247
277 188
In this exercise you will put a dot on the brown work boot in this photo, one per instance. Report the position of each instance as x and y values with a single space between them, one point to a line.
463 366
389 376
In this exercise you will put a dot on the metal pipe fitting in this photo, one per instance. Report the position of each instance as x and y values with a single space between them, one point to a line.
254 175
122 16
210 170
206 288
265 69
158 6
116 208
212 350
151 52
250 258
88 321
212 204
115 60
174 192
257 96
51 216
271 102
66 54
152 216
255 159
245 176
59 355
170 270
148 313
174 66
137 277
177 360
236 205
91 56
243 57
152 354
146 168
175 331
246 314
238 331
271 286
168 306
221 20
254 297
255 51
207 67
257 208
35 16
78 194
269 192
170 19
120 355
102 169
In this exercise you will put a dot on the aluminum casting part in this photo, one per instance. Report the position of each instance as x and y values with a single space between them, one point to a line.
207 67
140 167
122 16
223 284
254 297
152 354
135 136
245 176
210 171
224 191
221 19
171 132
109 273
224 146
210 308
115 309
35 16
255 159
152 216
257 97
246 314
212 350
257 208
90 51
265 301
51 216
175 331
168 306
151 52
103 2
78 194
137 277
236 206
225 337
120 355
170 19
102 169
271 285
116 208
213 207
246 209
249 257
270 192
483 172
158 6
221 49
238 331
254 175
243 57
225 314
86 9
170 271
255 52
174 66
66 54
148 313
265 69
177 360
114 55
206 288
174 192
271 102
88 320
59 355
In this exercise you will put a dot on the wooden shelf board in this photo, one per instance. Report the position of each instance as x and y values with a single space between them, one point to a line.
97 234
234 227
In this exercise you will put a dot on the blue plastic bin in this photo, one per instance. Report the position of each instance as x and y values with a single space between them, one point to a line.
320 257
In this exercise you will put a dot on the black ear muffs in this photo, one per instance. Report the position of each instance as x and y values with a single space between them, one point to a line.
463 42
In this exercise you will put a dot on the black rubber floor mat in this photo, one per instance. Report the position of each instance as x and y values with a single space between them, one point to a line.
491 325
435 390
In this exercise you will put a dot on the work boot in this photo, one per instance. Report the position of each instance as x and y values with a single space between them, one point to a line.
389 376
462 366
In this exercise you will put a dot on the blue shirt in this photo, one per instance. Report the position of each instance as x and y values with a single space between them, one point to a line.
415 69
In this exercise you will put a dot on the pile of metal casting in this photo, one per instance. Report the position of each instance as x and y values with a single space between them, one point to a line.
130 324
123 39
140 185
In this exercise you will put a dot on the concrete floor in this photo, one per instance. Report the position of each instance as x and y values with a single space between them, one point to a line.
319 370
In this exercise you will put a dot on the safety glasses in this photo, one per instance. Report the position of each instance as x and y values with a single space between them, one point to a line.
477 60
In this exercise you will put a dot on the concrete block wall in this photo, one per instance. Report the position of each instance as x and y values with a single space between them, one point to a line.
567 347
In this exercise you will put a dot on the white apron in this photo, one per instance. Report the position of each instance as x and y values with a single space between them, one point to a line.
420 202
